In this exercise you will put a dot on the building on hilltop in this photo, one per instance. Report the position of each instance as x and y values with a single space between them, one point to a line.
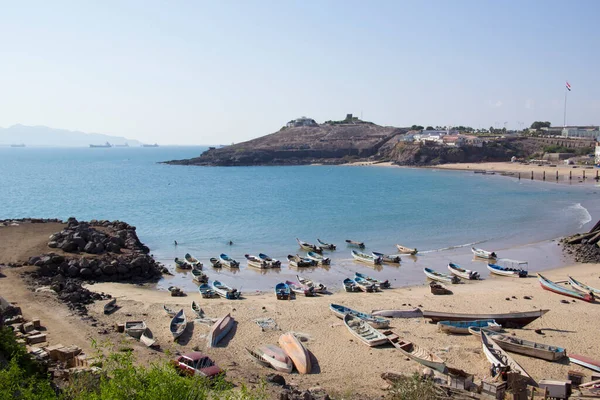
581 132
302 121
597 159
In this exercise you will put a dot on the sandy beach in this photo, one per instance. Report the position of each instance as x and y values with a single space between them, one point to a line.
340 358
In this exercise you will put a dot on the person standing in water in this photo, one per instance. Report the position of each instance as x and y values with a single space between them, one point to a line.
175 242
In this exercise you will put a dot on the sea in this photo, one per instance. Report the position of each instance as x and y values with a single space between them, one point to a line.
264 209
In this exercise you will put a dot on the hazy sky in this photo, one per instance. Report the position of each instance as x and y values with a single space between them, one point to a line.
192 72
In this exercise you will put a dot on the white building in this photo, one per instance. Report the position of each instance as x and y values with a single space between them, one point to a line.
302 121
597 158
589 132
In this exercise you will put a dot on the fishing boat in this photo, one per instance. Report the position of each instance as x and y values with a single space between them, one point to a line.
585 362
296 351
198 276
389 258
522 346
135 328
147 338
462 327
498 357
363 331
462 272
110 307
178 324
256 262
181 264
228 261
275 357
319 259
219 330
483 253
354 243
438 289
326 246
582 287
274 263
225 291
414 312
197 310
299 262
299 288
440 277
547 284
309 246
215 262
170 312
506 271
416 353
194 262
365 285
366 258
282 291
318 287
350 286
376 322
508 320
383 285
407 250
206 291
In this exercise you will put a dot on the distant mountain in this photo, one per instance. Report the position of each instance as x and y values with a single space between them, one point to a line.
44 136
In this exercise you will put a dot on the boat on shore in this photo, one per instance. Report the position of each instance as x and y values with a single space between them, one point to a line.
507 320
111 306
319 259
462 327
256 262
198 276
135 328
350 286
380 284
416 353
219 330
462 272
414 312
227 261
282 291
407 250
181 264
215 262
375 321
206 291
522 346
225 291
366 258
147 338
583 288
499 358
506 271
272 262
197 310
194 262
299 262
483 253
363 331
318 287
440 277
178 324
365 285
389 258
170 312
585 362
263 356
326 246
299 288
296 351
438 289
354 243
547 284
309 246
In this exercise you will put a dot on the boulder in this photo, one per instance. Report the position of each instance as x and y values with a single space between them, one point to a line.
53 244
86 273
68 246
33 260
90 248
57 259
113 248
73 271
275 379
122 269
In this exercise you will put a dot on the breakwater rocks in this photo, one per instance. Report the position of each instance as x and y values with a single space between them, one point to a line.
584 246
19 221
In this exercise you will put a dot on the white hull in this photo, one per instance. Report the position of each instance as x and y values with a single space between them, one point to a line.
364 332
433 277
502 273
414 313
483 253
497 356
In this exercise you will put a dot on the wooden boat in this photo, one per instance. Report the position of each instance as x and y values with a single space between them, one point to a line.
582 287
299 288
206 291
181 264
147 338
416 353
363 331
176 291
296 351
499 358
276 357
197 310
135 328
483 253
219 330
282 291
462 272
354 243
228 261
311 255
440 277
299 262
438 289
198 276
274 263
318 287
585 362
110 307
194 262
408 313
407 250
462 327
366 258
365 285
522 346
256 262
178 324
547 284
170 312
215 262
326 246
506 271
309 246
376 322
508 320
258 358
384 285
350 286
389 258
225 291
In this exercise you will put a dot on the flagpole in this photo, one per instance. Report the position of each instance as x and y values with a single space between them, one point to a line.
565 113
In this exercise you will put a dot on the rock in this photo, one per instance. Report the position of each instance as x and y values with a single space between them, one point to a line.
86 273
539 332
73 271
69 246
109 269
527 297
113 248
507 299
565 301
275 379
90 247
33 260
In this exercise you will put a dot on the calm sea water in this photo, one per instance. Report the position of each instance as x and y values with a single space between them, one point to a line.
263 209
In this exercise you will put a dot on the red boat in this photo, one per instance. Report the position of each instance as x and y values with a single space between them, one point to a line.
585 362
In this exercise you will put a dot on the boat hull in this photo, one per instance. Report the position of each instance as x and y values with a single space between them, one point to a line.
416 353
497 356
462 327
219 330
363 331
375 321
517 345
585 362
296 351
553 287
437 276
406 250
509 320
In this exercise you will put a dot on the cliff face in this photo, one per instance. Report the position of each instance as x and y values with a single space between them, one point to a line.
302 145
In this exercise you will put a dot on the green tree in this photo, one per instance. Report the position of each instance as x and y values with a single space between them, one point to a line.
540 124
416 128
429 128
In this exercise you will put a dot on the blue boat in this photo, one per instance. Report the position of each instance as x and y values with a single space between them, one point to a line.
225 291
376 322
282 291
228 261
364 284
507 271
462 327
206 291
350 285
384 285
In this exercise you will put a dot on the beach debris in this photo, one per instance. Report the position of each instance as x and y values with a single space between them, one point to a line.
267 324
565 301
176 292
507 299
527 297
303 337
514 297
539 332
275 379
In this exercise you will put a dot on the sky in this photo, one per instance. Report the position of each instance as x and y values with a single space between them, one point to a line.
195 72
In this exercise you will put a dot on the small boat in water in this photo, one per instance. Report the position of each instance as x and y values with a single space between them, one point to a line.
206 291
225 291
354 243
318 287
194 262
135 328
375 321
350 286
506 271
215 262
296 351
309 246
547 284
483 253
582 287
299 288
499 358
282 291
416 353
228 261
383 285
507 320
198 276
363 331
299 262
365 285
366 258
440 277
407 250
326 246
389 258
110 307
438 289
256 262
462 327
522 346
272 262
219 330
585 362
178 324
319 259
181 264
462 272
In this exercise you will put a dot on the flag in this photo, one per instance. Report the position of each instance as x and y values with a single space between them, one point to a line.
568 86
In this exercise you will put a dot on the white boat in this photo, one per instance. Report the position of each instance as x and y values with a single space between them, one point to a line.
483 253
178 324
498 357
506 271
462 272
418 354
311 255
256 262
225 291
219 330
318 287
228 261
414 312
583 288
266 357
389 258
406 250
135 328
440 277
364 332
366 258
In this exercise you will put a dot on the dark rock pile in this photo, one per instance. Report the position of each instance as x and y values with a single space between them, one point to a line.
291 393
584 247
19 221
